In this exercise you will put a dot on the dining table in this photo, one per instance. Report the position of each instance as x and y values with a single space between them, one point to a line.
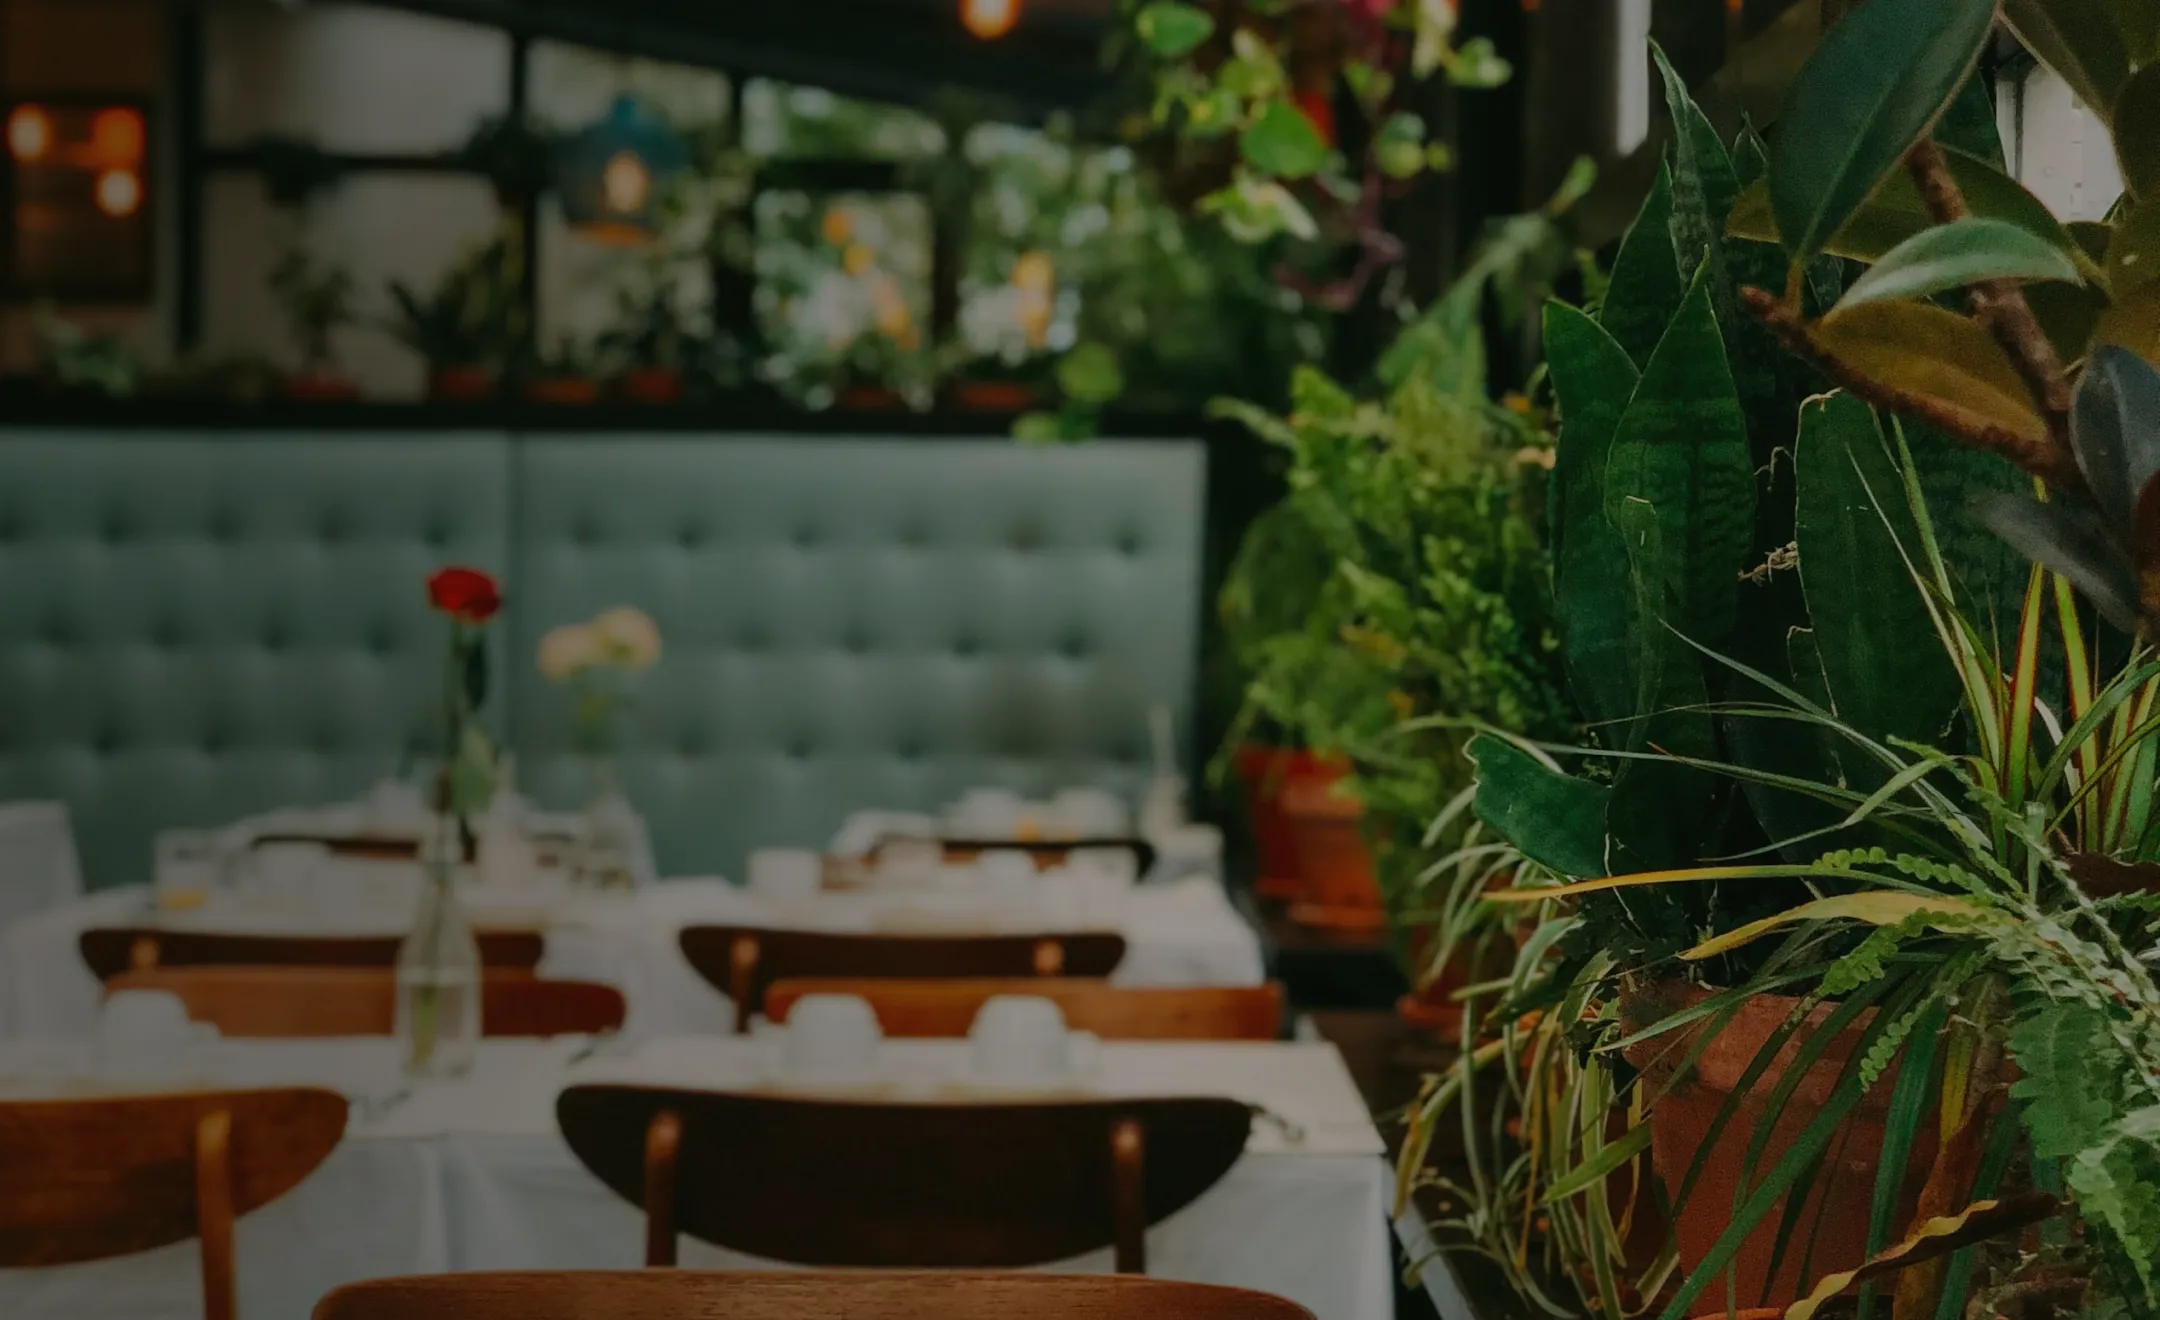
471 1173
1178 932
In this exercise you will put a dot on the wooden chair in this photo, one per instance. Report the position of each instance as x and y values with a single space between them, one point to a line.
948 1008
362 1001
112 950
851 1183
744 960
805 1295
89 1179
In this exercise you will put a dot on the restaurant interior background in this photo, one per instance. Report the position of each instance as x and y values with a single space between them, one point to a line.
819 431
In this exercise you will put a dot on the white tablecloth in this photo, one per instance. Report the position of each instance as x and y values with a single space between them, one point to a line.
1180 933
472 1175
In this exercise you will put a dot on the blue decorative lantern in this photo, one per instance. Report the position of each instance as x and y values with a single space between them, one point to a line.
609 174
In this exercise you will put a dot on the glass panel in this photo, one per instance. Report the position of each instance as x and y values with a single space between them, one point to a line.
350 78
379 227
843 294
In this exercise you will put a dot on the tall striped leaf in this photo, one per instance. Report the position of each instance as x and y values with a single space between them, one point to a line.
1872 88
1646 288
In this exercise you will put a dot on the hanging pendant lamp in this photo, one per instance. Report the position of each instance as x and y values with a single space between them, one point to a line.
609 174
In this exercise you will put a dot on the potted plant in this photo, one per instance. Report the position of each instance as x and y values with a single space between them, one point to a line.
650 346
316 297
1850 888
471 323
564 377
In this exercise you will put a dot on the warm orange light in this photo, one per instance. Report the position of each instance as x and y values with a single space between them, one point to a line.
625 184
989 19
116 137
119 193
29 133
1034 272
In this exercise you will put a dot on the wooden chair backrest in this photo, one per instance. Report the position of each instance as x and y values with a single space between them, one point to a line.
800 1295
362 1001
112 950
90 1179
854 1183
744 960
948 1008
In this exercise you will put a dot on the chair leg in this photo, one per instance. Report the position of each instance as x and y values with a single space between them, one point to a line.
742 979
214 1212
663 1145
1128 1202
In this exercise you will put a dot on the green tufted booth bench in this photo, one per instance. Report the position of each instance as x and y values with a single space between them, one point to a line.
196 625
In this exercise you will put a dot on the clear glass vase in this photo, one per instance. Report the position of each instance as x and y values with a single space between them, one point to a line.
613 847
438 970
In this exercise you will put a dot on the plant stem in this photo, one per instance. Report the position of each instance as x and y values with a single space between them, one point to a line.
2000 304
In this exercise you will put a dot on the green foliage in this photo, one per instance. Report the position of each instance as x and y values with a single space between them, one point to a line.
476 314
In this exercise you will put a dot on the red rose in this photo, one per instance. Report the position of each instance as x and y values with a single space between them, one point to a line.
465 594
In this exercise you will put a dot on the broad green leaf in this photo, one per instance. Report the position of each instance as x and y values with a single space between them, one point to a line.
1921 350
2133 323
2077 39
1646 290
1556 820
1873 86
1956 255
1170 29
1887 674
1282 142
1895 213
2137 130
1399 146
1090 374
1968 124
2068 315
1593 380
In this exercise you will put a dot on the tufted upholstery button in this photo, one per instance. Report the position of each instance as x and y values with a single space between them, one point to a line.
59 632
224 526
752 642
1128 543
915 536
213 742
910 749
105 742
276 636
807 537
331 531
1074 647
116 529
691 745
857 643
584 532
1025 538
436 533
380 640
8 527
965 646
691 536
799 749
165 635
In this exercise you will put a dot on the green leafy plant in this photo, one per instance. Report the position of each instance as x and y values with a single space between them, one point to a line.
317 299
476 314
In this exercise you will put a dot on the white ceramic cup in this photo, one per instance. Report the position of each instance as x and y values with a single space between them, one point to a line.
987 813
831 1038
143 1033
1090 813
1021 1040
910 862
786 875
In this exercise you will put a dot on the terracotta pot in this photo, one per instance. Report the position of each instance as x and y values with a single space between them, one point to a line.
1266 772
652 385
460 384
317 387
563 391
871 398
994 396
1841 1197
1341 890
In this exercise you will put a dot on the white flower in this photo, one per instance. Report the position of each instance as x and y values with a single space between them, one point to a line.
628 637
570 650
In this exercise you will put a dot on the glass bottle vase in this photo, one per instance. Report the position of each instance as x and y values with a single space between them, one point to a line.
439 970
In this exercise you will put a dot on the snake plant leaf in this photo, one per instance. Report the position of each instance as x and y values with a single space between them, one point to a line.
2071 540
1703 183
1681 455
1887 674
1645 290
2137 130
2115 428
1876 83
2077 39
1593 380
1955 255
1750 154
1936 355
1555 819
